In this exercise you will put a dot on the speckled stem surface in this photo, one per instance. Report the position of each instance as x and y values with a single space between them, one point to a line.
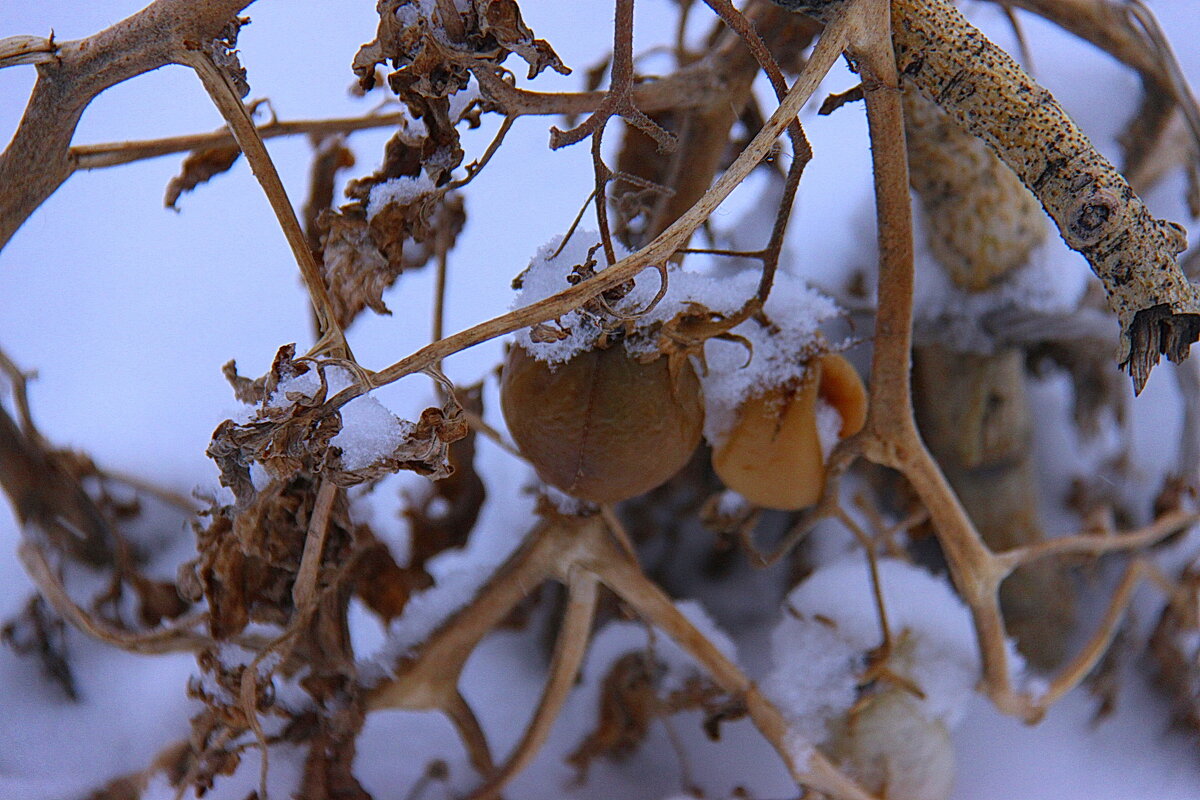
988 94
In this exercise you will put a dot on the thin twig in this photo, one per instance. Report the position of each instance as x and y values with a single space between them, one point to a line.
569 649
304 590
111 154
332 340
177 638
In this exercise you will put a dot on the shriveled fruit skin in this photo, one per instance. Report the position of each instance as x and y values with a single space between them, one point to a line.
603 426
772 457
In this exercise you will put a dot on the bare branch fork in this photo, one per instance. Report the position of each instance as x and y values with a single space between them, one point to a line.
581 553
38 159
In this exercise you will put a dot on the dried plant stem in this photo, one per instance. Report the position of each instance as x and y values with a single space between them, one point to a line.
332 340
807 766
824 55
579 552
1132 253
17 50
19 385
990 96
466 724
569 649
1091 653
111 154
178 638
1093 544
890 435
304 590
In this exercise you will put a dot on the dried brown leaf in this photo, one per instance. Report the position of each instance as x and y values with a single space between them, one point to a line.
501 19
1173 646
444 517
362 259
628 705
41 632
199 167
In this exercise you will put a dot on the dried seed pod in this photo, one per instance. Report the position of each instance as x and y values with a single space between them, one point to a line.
773 455
602 426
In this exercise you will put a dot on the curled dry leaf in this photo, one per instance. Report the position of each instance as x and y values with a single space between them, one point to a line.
432 48
40 632
198 168
365 252
437 52
628 704
1175 647
444 516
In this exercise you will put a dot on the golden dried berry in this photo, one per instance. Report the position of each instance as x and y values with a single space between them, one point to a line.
772 456
603 426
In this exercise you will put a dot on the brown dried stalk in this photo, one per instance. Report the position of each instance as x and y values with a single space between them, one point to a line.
227 99
655 253
111 154
175 638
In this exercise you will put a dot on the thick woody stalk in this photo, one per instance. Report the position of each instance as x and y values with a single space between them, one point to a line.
986 93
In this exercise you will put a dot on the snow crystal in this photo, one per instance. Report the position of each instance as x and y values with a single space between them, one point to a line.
730 503
408 16
546 275
401 191
369 431
463 98
815 675
774 356
819 650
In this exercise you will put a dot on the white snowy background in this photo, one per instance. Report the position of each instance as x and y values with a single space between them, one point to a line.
127 311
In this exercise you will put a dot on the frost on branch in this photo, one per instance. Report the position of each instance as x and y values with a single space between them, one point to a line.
291 431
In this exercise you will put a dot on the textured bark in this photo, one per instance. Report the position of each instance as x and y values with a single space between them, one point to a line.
988 95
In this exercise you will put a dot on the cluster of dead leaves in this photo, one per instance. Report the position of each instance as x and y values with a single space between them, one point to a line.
294 437
431 54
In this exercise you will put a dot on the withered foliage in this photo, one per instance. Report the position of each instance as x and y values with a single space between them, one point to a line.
1175 647
295 436
199 167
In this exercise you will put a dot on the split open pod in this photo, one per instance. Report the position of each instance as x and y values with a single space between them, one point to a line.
773 455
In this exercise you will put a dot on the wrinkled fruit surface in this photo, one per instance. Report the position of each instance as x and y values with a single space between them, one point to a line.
603 426
772 457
